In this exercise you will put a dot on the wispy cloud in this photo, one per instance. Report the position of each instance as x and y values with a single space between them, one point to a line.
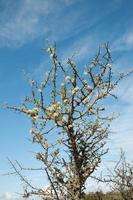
9 196
124 42
30 19
27 23
33 19
24 25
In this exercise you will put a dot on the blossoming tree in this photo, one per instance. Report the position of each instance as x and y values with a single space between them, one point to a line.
69 123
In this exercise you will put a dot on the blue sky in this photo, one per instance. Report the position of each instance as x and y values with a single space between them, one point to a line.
77 26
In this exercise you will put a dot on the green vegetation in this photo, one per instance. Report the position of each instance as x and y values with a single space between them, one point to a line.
102 196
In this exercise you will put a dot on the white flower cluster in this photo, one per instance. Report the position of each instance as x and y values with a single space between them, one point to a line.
89 88
68 78
53 112
75 90
70 126
108 65
32 113
48 49
85 100
40 90
66 101
51 50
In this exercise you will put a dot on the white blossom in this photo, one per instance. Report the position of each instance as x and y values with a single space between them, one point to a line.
85 72
53 111
88 87
68 78
92 111
55 114
32 113
92 65
108 65
73 80
51 55
39 90
62 84
48 49
31 130
34 118
75 90
85 100
66 101
36 110
70 126
55 105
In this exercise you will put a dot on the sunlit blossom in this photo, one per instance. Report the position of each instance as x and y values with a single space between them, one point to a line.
75 90
68 78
